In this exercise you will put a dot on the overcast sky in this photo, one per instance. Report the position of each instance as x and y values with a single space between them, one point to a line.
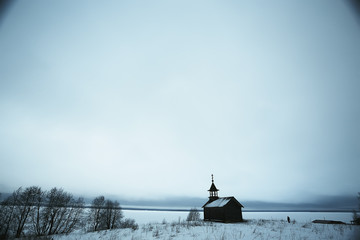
147 99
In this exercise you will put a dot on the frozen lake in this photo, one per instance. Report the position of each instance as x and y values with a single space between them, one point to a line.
144 216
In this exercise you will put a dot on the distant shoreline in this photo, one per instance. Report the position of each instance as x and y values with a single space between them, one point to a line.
187 210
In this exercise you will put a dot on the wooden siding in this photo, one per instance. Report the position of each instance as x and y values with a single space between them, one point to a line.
231 212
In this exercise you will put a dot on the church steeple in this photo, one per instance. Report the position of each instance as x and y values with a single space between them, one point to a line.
213 190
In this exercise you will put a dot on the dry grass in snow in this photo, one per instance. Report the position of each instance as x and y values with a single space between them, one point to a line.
252 229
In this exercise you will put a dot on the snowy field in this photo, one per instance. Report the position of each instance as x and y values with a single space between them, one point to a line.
171 225
252 229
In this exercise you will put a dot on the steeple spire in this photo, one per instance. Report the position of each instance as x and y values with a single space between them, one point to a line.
213 190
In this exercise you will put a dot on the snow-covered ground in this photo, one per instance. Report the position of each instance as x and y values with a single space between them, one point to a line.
252 229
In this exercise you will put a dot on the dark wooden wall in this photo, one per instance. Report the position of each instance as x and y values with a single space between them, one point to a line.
214 214
232 212
229 213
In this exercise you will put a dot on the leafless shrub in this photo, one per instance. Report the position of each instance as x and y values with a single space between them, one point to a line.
61 214
7 216
261 222
156 233
39 213
104 214
193 215
15 211
306 225
96 214
130 223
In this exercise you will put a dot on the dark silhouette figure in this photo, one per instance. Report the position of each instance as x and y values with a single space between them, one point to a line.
288 219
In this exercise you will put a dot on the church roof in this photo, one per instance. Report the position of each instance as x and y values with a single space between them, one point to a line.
221 202
213 188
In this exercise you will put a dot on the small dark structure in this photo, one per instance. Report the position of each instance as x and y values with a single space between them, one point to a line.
225 209
328 222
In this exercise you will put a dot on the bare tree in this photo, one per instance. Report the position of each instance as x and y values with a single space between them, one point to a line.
36 226
74 216
108 213
193 215
24 206
39 213
15 211
113 214
60 214
96 214
129 223
104 214
7 215
57 202
116 215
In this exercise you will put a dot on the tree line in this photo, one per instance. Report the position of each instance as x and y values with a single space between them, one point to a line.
34 212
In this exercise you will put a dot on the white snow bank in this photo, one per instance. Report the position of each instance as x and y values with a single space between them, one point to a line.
219 202
253 229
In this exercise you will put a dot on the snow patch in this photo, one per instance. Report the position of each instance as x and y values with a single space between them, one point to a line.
219 202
